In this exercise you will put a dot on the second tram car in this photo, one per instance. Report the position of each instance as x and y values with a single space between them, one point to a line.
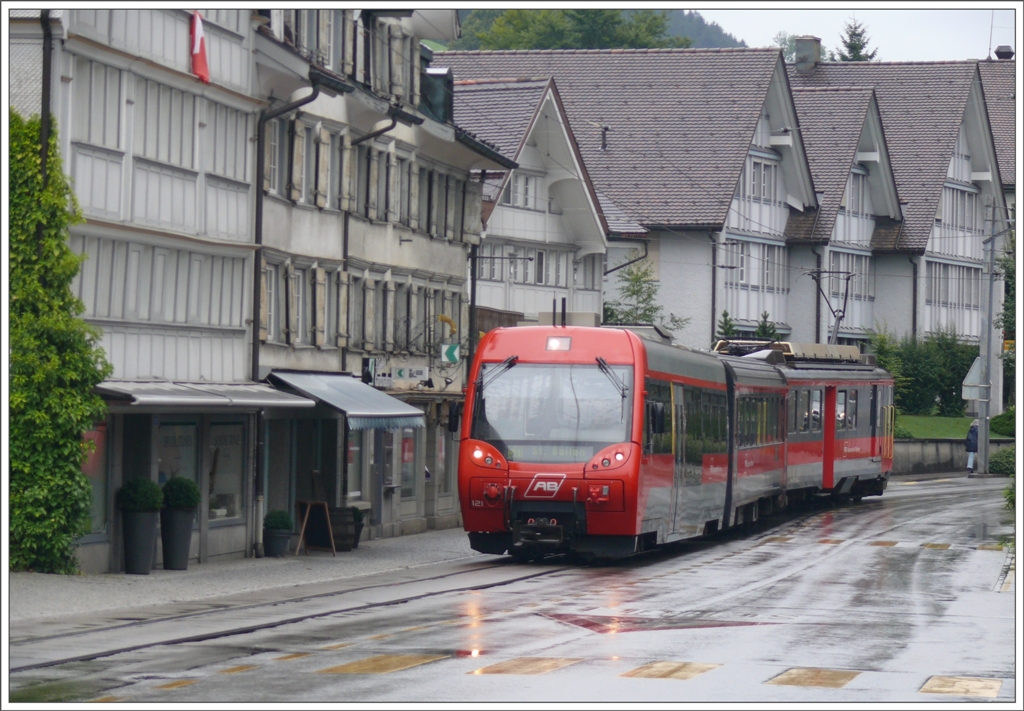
598 441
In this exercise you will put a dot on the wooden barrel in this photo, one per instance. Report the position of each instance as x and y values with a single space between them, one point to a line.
343 528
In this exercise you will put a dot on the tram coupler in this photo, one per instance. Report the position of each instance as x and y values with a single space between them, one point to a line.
539 532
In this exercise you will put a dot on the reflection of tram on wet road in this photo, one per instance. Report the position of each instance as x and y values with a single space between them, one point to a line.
597 441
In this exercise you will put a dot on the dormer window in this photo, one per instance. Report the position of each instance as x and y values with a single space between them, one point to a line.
520 191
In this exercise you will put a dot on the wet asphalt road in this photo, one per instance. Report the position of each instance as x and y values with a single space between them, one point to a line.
892 599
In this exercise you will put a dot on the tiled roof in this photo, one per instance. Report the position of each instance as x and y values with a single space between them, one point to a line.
922 106
619 223
498 110
831 121
999 80
679 122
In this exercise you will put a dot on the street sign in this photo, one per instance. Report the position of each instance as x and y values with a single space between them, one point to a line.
449 352
411 373
1009 346
972 385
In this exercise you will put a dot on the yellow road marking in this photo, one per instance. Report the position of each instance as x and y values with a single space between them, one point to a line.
962 686
289 657
108 699
937 546
236 670
670 670
527 665
336 646
831 541
990 547
882 543
778 539
829 678
380 636
383 664
906 483
413 629
178 684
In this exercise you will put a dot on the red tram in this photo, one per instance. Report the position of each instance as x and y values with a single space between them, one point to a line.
600 442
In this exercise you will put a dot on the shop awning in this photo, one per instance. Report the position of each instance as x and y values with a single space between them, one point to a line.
162 393
363 406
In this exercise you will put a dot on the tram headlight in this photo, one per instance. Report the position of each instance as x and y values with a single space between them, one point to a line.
477 454
619 456
606 462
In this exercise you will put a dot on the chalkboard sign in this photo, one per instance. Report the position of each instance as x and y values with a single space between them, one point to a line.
316 526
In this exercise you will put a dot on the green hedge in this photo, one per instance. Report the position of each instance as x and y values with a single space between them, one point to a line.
1003 461
54 363
1005 424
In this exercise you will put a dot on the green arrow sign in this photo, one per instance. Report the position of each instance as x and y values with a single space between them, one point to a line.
449 352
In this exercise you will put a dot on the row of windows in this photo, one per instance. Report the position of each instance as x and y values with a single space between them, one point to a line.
755 264
384 186
758 420
760 181
548 267
952 285
805 407
856 198
861 284
313 306
699 417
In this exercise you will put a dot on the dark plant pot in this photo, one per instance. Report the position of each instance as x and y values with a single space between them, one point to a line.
139 537
276 543
358 532
176 534
343 528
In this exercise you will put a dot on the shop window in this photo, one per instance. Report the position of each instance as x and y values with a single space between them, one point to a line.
354 472
408 453
226 470
178 452
95 470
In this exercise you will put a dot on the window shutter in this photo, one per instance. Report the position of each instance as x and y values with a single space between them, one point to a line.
268 153
436 230
372 191
389 313
343 315
414 194
395 189
414 80
347 42
319 306
324 36
323 173
472 226
397 38
369 313
349 173
449 213
298 163
291 302
263 300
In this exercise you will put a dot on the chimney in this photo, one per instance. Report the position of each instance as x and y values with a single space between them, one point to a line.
1004 51
808 53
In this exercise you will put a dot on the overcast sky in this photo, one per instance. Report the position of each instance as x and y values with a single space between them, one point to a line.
926 34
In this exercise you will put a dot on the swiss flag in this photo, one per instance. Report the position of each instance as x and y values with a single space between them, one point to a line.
200 67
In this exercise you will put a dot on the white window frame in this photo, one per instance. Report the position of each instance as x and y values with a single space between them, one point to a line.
272 296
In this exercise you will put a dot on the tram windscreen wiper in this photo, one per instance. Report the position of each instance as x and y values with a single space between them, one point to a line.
621 386
498 370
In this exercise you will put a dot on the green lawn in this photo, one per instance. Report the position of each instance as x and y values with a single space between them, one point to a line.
924 427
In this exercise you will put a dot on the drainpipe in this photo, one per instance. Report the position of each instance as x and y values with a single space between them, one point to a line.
913 309
44 133
257 295
714 282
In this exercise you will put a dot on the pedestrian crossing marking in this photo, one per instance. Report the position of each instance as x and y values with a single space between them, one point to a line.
887 544
238 669
527 665
989 547
289 657
828 678
962 686
778 539
383 664
330 647
937 546
670 670
177 684
831 541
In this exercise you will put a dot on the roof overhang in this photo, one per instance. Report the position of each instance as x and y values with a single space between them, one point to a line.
163 393
365 408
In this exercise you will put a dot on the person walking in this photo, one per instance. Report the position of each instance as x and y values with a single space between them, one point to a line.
971 445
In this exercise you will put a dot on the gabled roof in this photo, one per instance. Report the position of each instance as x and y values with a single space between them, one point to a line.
679 122
831 122
922 106
999 80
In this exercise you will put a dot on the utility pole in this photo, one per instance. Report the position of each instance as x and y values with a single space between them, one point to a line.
985 348
840 313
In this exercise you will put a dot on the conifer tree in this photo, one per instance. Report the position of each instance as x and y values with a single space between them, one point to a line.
766 328
726 326
855 43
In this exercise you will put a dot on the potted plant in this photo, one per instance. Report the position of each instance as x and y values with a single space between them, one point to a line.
140 500
181 498
357 522
277 533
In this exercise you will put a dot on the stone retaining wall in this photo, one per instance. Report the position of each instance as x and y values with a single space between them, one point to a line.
924 456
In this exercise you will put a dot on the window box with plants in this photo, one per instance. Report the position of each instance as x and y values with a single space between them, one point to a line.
277 533
181 499
139 500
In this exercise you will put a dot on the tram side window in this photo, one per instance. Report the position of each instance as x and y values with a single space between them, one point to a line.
851 410
815 410
791 410
840 410
659 406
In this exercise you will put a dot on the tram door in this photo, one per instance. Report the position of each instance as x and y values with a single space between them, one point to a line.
873 415
828 427
679 448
